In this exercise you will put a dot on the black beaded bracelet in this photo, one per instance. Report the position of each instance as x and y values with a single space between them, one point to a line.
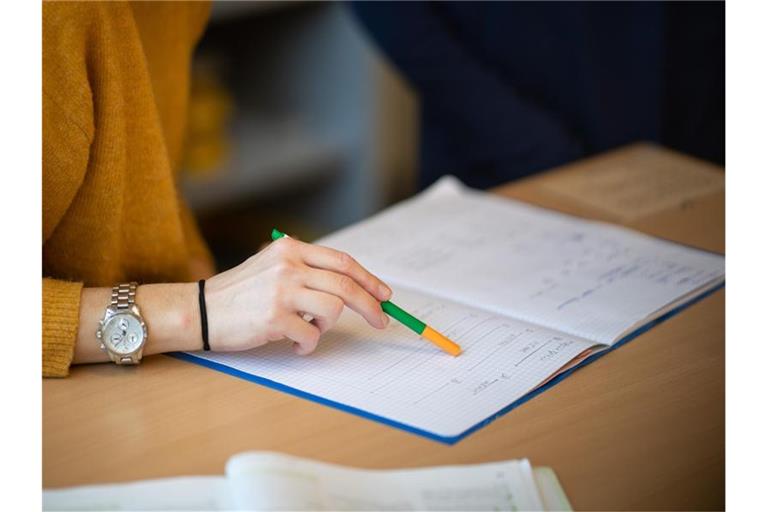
203 314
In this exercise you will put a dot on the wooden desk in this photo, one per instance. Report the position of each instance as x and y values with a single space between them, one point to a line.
641 428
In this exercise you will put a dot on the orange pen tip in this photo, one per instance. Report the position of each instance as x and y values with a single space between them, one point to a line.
441 341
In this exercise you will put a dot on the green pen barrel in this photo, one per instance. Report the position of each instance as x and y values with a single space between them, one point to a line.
401 316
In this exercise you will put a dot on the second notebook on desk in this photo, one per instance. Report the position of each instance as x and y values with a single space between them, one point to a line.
527 292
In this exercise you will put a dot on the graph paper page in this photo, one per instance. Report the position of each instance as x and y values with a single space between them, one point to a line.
394 374
590 279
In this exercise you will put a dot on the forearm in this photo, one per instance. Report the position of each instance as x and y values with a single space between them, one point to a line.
263 299
169 310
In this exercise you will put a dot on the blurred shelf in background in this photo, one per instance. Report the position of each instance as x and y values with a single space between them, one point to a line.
301 120
266 159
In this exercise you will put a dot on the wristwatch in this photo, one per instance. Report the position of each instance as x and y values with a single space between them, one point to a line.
122 332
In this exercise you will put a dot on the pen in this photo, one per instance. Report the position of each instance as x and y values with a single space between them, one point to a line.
407 319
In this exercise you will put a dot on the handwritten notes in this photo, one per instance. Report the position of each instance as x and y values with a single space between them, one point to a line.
590 279
526 292
395 375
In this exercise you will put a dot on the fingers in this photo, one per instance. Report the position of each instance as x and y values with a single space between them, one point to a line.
320 281
349 291
324 307
342 263
303 333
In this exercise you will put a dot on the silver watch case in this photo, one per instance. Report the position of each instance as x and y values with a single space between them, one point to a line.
132 357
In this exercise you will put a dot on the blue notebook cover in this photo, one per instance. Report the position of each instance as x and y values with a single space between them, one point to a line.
430 435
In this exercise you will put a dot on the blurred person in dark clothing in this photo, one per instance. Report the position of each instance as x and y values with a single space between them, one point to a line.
509 89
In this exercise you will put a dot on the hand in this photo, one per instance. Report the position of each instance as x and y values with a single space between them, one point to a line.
262 299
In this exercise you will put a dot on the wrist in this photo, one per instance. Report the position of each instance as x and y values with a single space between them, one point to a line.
171 312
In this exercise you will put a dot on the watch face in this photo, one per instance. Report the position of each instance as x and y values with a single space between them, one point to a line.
123 333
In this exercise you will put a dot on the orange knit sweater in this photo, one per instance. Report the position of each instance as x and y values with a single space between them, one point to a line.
115 90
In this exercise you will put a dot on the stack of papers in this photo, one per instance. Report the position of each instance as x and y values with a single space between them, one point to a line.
271 481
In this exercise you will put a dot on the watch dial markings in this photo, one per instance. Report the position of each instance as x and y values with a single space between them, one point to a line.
124 333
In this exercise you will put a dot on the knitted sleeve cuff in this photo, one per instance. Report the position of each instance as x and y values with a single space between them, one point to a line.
61 315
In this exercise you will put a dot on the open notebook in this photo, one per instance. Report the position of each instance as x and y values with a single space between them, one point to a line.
271 481
527 292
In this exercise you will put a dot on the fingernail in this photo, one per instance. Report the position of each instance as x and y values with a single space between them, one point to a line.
384 320
384 292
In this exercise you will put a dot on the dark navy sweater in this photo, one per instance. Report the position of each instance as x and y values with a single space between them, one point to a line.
511 88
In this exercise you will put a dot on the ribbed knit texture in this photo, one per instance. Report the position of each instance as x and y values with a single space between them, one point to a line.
61 307
115 91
